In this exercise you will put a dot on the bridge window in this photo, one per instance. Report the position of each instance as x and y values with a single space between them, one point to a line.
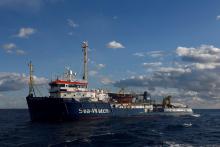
61 85
57 85
72 85
63 90
81 86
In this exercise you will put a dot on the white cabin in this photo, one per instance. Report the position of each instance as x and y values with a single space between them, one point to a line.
69 87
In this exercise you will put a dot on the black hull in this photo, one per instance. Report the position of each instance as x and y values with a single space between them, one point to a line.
60 109
46 108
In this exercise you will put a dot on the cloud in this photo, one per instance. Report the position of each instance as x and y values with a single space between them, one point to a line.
218 17
133 81
12 48
72 24
193 79
9 47
100 66
153 64
205 84
25 32
93 73
20 52
17 81
96 68
202 54
156 54
174 70
25 5
139 54
203 66
153 54
114 45
106 81
201 58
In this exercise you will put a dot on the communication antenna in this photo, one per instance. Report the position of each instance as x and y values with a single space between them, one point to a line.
85 63
31 80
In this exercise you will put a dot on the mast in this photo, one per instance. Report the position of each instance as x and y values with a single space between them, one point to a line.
31 80
85 58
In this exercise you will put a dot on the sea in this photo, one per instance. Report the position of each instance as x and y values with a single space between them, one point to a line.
200 129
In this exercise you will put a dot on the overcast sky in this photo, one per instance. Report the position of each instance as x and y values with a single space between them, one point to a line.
166 47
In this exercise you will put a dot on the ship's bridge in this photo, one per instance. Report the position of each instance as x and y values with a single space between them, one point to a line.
75 89
73 84
69 89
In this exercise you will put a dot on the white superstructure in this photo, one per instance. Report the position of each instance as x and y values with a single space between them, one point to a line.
69 87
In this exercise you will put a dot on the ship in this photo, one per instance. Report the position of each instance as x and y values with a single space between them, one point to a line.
71 99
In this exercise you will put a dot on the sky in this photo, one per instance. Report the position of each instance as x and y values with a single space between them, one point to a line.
165 47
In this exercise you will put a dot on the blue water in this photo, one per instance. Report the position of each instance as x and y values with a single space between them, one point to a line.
199 130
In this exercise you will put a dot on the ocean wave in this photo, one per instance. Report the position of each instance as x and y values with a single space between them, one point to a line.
196 115
187 124
174 144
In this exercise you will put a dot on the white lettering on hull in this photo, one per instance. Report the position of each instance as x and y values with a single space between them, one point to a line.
93 111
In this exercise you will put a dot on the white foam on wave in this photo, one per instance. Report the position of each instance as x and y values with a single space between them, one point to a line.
103 134
196 115
187 124
174 144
